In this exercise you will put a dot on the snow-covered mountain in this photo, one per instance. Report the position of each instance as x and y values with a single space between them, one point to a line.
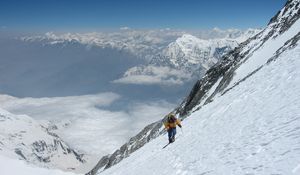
185 59
240 118
17 167
76 117
164 49
191 53
142 43
50 62
239 35
21 137
192 50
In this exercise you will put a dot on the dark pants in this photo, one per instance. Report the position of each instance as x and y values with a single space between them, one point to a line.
171 134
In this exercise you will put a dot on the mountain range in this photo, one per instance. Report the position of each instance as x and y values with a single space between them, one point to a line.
21 137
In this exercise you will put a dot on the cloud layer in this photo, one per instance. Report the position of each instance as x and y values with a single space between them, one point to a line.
85 124
148 75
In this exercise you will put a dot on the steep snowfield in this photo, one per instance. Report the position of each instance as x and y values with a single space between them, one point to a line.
17 167
252 129
262 54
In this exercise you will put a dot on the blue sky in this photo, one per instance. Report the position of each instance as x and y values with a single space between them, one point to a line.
141 14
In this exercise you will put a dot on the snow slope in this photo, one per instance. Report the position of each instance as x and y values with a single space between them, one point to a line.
23 138
17 167
252 129
262 54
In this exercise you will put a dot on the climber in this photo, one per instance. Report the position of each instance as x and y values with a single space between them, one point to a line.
170 126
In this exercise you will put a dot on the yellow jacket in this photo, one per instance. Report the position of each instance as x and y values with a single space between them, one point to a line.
169 125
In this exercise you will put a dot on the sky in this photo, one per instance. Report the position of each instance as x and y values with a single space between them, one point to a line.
139 14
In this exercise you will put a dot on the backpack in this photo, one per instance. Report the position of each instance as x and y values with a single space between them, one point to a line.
172 119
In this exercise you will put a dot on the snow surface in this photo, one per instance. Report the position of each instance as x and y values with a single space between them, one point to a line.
264 53
252 129
21 137
10 166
